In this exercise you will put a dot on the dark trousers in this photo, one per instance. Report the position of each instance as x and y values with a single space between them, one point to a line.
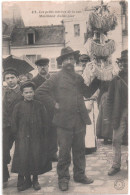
8 140
117 139
68 140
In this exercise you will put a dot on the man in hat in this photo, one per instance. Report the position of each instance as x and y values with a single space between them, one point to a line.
70 116
84 59
117 110
42 67
11 96
42 76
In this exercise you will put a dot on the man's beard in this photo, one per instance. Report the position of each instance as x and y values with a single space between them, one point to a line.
69 66
43 73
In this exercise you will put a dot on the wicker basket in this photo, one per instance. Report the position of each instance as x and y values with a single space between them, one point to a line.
101 23
105 74
102 50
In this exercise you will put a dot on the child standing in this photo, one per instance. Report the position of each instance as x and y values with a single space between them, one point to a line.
11 96
29 122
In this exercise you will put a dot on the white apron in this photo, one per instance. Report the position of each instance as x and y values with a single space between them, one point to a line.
90 138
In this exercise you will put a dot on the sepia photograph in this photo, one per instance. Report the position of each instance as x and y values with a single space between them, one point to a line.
64 97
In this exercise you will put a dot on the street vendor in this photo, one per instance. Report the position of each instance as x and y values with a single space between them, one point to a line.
70 116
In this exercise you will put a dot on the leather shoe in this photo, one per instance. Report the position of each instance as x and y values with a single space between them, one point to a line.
25 186
63 186
113 171
20 181
36 185
84 180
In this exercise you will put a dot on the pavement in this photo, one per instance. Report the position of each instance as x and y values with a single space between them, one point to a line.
97 166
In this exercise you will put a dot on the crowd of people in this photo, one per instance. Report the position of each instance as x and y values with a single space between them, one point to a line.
46 115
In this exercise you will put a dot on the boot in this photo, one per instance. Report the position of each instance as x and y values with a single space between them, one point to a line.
63 186
27 184
36 184
84 180
20 180
113 171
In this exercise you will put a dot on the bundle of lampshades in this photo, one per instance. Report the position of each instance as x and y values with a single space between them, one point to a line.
98 46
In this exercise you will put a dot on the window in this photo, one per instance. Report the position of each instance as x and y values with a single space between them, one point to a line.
32 58
30 38
53 63
76 30
38 57
59 66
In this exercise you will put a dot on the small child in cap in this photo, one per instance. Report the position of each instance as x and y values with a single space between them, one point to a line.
29 122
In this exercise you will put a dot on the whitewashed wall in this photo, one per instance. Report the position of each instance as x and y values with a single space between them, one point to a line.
44 51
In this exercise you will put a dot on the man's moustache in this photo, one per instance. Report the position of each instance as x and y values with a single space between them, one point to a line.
44 71
69 65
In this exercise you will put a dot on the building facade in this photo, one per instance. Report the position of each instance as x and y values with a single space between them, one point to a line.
75 29
11 18
37 42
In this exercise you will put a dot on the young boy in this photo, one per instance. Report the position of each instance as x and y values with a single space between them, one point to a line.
11 96
29 124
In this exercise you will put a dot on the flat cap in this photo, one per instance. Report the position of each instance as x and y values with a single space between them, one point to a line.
11 71
42 62
27 83
84 58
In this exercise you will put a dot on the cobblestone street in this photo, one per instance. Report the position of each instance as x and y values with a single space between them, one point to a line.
97 165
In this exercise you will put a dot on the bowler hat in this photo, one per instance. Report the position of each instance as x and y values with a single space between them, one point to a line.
124 56
11 71
65 52
42 62
84 58
27 83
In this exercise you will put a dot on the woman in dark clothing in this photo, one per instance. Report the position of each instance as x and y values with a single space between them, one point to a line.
103 131
31 148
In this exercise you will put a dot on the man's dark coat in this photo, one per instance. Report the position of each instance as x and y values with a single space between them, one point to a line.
38 80
117 99
52 135
68 90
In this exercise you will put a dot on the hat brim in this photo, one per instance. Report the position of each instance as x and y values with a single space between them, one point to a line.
60 58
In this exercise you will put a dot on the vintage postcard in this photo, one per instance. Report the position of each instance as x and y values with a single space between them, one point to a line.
65 97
